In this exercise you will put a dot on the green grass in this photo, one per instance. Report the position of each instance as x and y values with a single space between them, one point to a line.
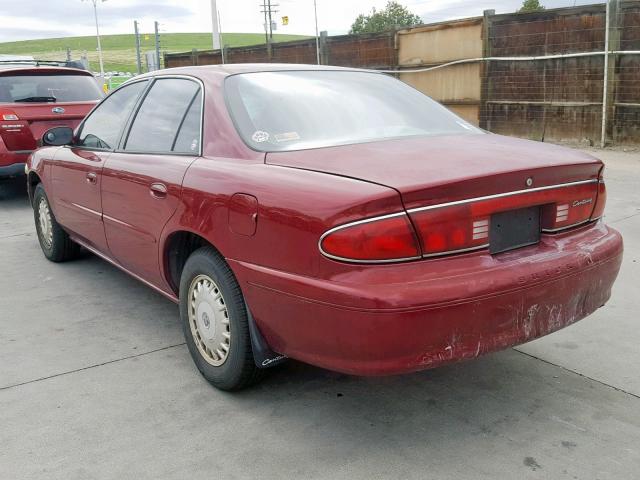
119 51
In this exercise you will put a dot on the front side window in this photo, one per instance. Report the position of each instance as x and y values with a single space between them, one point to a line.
294 110
171 105
25 88
103 127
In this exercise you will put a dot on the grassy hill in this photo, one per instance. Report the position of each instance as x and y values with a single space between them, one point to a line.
119 51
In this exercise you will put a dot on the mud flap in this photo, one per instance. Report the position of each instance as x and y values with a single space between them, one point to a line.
263 356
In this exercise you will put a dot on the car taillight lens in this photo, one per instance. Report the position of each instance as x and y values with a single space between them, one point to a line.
8 115
464 226
601 201
384 239
451 229
460 226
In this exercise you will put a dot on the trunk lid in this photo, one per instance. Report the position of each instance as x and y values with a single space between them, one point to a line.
434 170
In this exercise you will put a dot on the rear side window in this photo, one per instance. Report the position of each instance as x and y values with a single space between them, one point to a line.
169 108
188 139
103 127
48 88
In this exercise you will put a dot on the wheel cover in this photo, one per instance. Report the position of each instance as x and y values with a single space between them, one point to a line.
45 222
209 320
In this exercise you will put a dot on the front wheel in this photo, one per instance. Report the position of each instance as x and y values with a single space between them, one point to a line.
54 241
215 323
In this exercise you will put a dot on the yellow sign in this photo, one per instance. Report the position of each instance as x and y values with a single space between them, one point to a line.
285 20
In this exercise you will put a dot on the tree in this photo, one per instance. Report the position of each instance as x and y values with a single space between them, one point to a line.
392 16
531 6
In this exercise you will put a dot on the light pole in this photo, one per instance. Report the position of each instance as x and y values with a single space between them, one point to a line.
95 15
215 26
315 11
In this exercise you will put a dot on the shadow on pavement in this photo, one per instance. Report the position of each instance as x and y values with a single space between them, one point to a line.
13 192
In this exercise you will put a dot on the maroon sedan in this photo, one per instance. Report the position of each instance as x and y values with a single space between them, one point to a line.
334 216
35 98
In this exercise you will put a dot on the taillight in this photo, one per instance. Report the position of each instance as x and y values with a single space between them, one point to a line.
8 115
464 225
601 201
451 229
460 226
383 239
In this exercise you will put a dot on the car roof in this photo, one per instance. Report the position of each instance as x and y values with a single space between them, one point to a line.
22 68
236 68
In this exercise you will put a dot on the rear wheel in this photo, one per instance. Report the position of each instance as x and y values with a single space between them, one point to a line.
215 323
54 241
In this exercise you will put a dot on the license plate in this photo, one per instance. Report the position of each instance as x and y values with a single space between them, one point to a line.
514 229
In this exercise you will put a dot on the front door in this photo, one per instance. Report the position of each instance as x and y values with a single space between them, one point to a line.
142 180
77 170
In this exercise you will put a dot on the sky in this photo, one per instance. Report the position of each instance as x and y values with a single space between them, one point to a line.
29 19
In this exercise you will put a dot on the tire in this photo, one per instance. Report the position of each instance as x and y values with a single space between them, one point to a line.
54 241
214 322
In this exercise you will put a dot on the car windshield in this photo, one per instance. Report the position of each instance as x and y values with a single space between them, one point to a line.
295 110
48 88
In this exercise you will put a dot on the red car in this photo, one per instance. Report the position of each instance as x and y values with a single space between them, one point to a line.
335 216
35 97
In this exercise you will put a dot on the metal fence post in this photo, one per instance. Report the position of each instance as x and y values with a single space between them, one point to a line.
138 57
611 44
324 48
485 82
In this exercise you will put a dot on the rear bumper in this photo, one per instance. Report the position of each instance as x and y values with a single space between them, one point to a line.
442 312
13 170
12 164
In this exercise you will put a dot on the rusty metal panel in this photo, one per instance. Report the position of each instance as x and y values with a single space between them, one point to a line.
552 100
440 43
298 53
545 122
579 29
364 51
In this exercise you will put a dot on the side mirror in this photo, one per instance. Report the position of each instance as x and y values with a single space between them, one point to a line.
58 136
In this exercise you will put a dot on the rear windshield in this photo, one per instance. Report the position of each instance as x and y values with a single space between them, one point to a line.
48 88
279 111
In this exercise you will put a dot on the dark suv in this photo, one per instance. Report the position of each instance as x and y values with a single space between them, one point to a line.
35 97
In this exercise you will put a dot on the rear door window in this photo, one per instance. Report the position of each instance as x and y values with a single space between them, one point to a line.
166 121
102 129
188 139
40 88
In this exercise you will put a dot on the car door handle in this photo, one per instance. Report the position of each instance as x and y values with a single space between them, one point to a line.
158 190
92 178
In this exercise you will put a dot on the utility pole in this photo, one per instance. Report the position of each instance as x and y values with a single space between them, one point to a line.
222 54
215 26
138 58
266 30
268 10
315 11
157 44
95 15
270 21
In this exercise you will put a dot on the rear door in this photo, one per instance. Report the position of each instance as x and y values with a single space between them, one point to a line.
142 180
76 172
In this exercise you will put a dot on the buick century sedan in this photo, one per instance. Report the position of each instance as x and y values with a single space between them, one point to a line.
334 216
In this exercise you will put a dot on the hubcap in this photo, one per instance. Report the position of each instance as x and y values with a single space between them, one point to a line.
44 219
209 320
